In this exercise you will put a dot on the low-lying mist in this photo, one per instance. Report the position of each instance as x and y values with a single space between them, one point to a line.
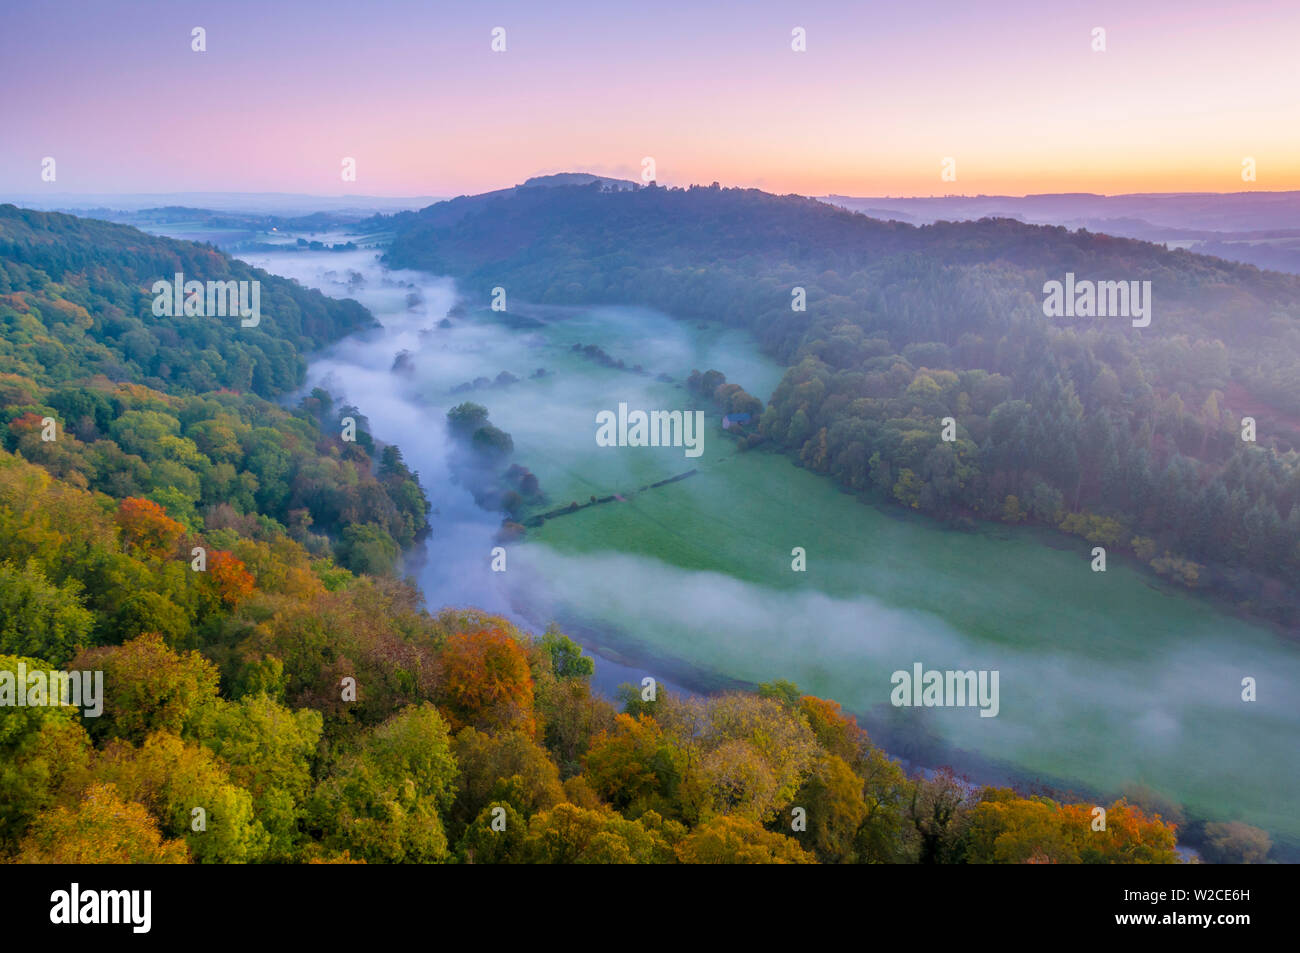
1100 703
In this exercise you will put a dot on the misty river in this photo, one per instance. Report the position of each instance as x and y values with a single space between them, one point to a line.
1106 679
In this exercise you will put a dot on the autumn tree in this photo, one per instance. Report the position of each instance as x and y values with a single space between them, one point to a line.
1004 828
838 733
506 768
637 767
191 793
486 682
753 752
738 840
146 526
1233 842
568 834
1131 835
230 582
835 809
45 754
101 829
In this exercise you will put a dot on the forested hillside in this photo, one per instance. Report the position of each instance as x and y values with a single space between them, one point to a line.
1130 437
272 693
95 279
171 408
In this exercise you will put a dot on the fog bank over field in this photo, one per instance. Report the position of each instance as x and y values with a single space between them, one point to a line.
1066 714
1104 679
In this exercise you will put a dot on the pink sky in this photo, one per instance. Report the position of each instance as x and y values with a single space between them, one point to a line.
1012 91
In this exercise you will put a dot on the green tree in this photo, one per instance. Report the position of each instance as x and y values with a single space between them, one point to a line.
39 617
386 800
567 660
270 751
191 793
44 755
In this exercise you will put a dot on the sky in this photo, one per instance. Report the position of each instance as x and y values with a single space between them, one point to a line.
1012 92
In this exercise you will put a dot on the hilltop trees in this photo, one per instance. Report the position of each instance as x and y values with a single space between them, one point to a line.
192 433
73 305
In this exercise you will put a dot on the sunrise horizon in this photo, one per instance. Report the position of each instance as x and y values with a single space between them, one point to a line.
935 100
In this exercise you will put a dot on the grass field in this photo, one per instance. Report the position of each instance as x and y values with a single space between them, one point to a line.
1105 678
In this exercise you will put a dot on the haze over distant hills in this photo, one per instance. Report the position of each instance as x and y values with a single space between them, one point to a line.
1259 228
277 203
1212 211
273 203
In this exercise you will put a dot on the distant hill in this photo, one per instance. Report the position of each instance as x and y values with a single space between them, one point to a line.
1259 228
452 210
582 244
262 203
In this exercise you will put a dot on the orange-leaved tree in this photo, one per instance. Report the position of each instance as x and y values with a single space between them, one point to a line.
146 526
486 682
1131 836
231 582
